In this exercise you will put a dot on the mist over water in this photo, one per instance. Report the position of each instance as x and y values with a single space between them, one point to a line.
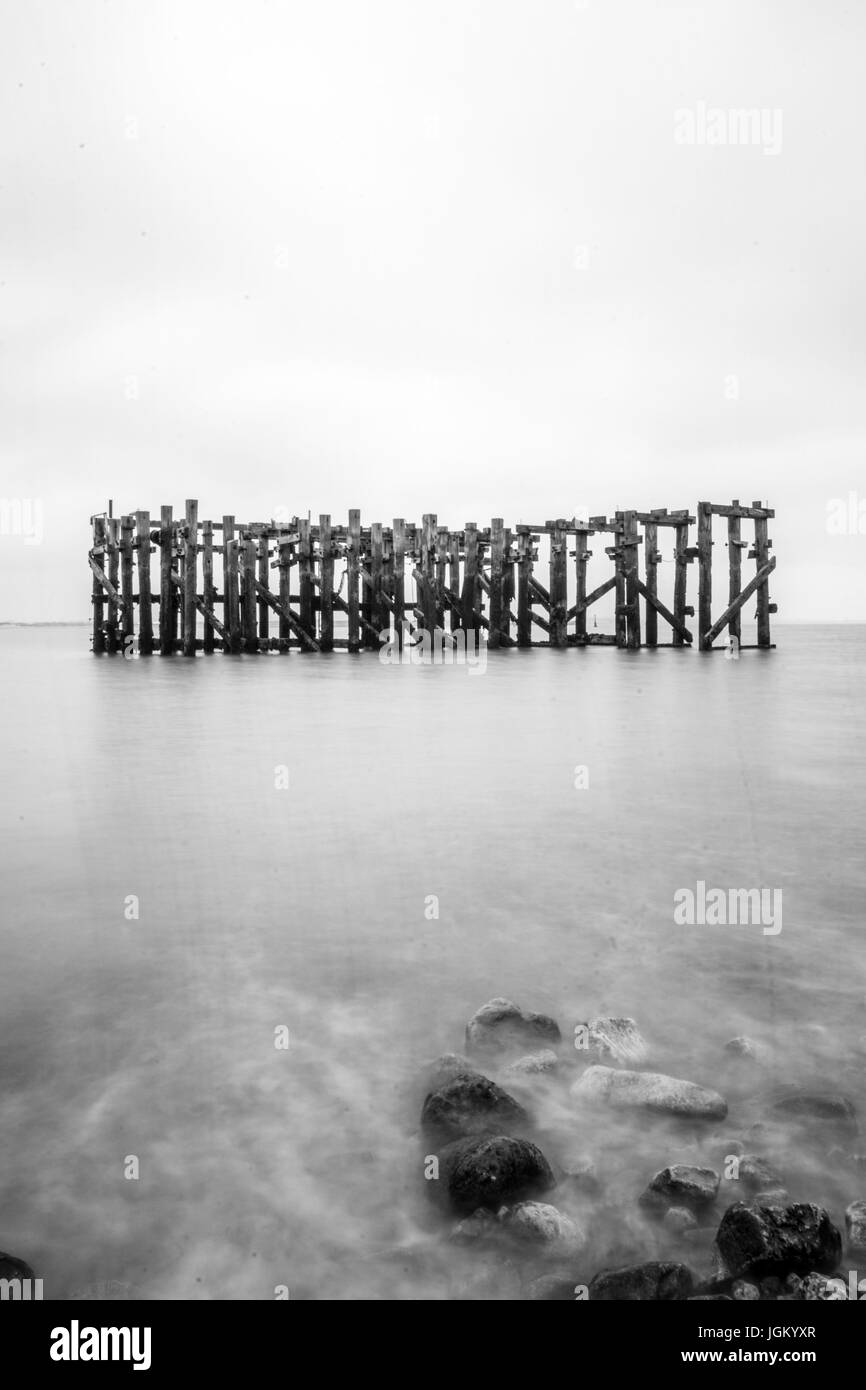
305 908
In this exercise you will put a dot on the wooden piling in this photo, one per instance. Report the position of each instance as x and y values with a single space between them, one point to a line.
305 577
581 558
630 542
705 576
126 553
98 591
681 574
145 597
735 572
190 555
167 608
231 606
378 613
399 585
285 549
248 594
263 558
762 558
113 544
427 597
469 600
497 552
207 585
558 584
524 575
326 586
651 561
353 560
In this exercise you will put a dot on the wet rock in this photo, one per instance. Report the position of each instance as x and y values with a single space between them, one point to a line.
445 1068
710 1298
501 1026
773 1197
681 1185
470 1104
551 1288
13 1268
759 1240
654 1282
855 1225
816 1287
793 1286
835 1111
649 1091
579 1173
757 1175
543 1224
531 1064
732 1147
612 1041
482 1225
771 1287
742 1047
744 1292
494 1171
680 1220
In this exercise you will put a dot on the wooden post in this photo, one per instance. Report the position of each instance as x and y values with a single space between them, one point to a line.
507 586
735 571
167 609
231 619
97 592
524 575
454 578
428 603
248 598
189 577
128 621
651 559
305 577
630 562
112 572
497 547
263 546
558 585
326 587
353 558
285 562
705 578
441 561
208 589
681 574
399 578
619 588
470 577
762 556
145 598
580 560
378 611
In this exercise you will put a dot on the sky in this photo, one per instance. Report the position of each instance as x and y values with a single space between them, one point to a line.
482 258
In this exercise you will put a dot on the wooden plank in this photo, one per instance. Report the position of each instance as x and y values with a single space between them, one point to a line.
497 547
113 579
286 547
399 600
596 594
681 570
581 559
524 576
762 556
454 578
248 594
190 558
705 576
470 598
97 591
231 606
655 604
651 561
167 608
754 513
379 617
208 588
630 543
126 551
759 581
326 586
262 546
558 584
619 582
145 597
735 572
305 576
538 592
353 560
307 640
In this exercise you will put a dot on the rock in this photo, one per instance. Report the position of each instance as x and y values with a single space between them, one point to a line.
710 1298
480 1226
445 1068
793 1285
757 1175
543 1224
773 1197
501 1026
836 1111
470 1104
612 1041
580 1174
855 1225
551 1288
772 1287
649 1091
531 1064
732 1148
494 1171
653 1282
681 1185
816 1287
742 1047
755 1239
13 1268
680 1219
744 1292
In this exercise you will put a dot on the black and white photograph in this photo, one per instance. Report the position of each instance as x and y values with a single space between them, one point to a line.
432 646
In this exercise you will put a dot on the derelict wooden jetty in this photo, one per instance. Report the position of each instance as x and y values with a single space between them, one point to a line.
213 587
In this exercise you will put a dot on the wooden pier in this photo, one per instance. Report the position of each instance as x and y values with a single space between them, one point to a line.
215 589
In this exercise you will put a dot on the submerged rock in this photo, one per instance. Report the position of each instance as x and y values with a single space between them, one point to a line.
680 1220
681 1185
543 1224
470 1104
744 1292
742 1047
855 1225
551 1288
580 1174
836 1111
531 1064
652 1282
501 1026
13 1268
612 1041
755 1239
445 1068
816 1287
650 1091
757 1175
494 1171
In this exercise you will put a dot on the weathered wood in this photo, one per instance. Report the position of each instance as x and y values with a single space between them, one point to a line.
596 594
497 547
399 598
97 590
762 555
507 588
207 586
231 600
735 573
248 594
558 584
379 616
145 597
262 546
326 588
426 586
167 604
754 513
681 572
441 561
581 559
630 543
190 556
128 613
651 560
619 560
759 581
114 597
305 572
307 640
353 561
705 576
284 561
524 576
655 605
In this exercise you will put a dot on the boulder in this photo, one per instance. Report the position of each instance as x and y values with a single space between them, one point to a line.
551 1288
649 1091
759 1240
679 1220
835 1111
494 1171
470 1104
742 1047
653 1282
817 1288
681 1185
501 1026
13 1268
531 1064
855 1225
445 1068
757 1175
542 1224
744 1292
611 1041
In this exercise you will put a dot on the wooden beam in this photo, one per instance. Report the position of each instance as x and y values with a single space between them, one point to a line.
306 639
353 560
207 586
762 555
248 594
167 608
263 567
497 546
190 557
655 605
231 599
630 542
705 577
759 579
97 587
681 570
399 584
651 561
735 568
326 588
524 576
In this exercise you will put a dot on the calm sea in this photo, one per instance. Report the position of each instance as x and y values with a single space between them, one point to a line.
431 851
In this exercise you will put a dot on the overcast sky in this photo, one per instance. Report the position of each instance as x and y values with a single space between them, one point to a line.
444 257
